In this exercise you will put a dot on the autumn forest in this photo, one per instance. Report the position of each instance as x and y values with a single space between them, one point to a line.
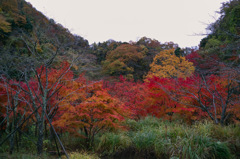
61 97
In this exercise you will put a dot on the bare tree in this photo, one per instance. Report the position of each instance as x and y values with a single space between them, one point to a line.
35 64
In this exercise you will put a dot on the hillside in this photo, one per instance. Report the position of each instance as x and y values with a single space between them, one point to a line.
143 99
24 30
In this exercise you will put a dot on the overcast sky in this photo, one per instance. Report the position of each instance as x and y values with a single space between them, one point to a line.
125 20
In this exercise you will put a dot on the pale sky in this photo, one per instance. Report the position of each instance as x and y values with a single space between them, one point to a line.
125 20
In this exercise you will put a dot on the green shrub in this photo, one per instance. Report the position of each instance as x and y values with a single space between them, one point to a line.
225 132
169 140
144 140
72 143
111 143
164 148
203 147
133 125
152 137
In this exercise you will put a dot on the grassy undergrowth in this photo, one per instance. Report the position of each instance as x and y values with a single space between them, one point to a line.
154 138
82 155
162 139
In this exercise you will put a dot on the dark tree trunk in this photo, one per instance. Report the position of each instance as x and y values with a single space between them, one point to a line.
40 138
11 144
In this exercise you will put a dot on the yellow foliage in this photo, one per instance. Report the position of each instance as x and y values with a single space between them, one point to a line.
121 60
167 65
38 48
4 25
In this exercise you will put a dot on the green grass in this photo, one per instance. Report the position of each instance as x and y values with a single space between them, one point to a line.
153 138
72 143
202 140
110 143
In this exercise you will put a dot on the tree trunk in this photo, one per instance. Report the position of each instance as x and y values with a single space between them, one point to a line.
45 129
11 144
40 137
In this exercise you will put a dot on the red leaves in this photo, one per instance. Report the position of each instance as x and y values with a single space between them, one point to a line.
132 94
194 57
160 99
195 97
90 107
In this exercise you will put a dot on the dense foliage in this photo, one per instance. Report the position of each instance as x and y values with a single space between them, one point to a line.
143 98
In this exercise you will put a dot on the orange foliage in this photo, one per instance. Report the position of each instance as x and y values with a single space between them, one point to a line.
91 112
